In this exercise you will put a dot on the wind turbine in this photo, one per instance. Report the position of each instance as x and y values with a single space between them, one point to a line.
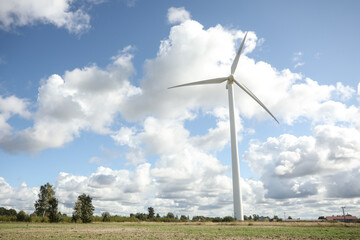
238 209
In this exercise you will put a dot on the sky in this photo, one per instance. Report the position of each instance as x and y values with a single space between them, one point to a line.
85 105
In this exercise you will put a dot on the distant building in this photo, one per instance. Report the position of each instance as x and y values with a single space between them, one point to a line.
303 220
341 218
264 219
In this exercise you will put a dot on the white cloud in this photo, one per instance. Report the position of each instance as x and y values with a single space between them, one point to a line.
9 107
215 139
178 15
297 59
124 136
14 13
82 99
96 160
299 64
298 167
297 56
14 106
344 92
19 198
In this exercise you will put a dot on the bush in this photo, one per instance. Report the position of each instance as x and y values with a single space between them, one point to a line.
166 219
65 218
106 216
7 218
217 219
199 219
22 217
141 216
228 219
35 218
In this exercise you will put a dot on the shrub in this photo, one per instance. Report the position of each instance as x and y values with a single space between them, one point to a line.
217 219
141 216
106 216
199 219
35 218
22 217
228 219
7 218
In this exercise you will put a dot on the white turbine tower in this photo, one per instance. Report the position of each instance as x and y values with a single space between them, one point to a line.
238 209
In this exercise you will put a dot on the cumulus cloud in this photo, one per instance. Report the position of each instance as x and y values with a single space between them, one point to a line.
127 191
80 100
344 92
20 198
9 107
177 15
193 53
292 166
15 13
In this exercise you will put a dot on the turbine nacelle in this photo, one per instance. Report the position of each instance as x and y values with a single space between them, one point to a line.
231 79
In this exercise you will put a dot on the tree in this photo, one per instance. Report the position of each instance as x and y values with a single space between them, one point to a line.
22 216
151 213
5 212
170 215
83 209
54 216
141 216
275 218
106 216
12 212
42 206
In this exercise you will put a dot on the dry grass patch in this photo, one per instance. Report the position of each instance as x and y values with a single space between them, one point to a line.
151 230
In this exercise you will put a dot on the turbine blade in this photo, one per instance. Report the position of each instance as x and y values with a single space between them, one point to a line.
243 87
236 60
209 81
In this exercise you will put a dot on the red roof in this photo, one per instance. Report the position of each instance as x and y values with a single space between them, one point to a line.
341 218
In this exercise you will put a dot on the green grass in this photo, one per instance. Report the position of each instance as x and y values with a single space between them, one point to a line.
146 230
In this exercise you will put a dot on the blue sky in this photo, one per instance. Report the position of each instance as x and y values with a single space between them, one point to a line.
84 105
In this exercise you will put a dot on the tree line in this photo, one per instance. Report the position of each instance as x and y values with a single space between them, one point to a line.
46 210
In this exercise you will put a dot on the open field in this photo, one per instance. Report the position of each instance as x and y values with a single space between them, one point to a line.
150 230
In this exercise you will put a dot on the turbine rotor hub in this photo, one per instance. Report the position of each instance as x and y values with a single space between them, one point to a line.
231 79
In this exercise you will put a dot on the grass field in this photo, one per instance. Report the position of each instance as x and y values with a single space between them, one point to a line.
148 230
